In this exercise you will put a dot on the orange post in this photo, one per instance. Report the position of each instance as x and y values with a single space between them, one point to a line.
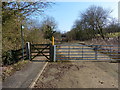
53 40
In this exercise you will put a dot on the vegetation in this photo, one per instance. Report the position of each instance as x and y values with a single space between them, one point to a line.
15 18
15 14
95 20
49 27
111 35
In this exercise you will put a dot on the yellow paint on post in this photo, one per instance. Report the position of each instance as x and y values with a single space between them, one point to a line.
52 40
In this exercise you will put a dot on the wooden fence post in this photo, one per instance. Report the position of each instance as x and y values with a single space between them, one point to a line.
28 50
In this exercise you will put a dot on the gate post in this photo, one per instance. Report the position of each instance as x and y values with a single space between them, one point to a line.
53 50
53 53
28 49
54 59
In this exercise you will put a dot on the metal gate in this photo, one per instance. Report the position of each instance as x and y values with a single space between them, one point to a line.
87 52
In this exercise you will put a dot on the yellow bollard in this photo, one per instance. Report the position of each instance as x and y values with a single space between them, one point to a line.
53 40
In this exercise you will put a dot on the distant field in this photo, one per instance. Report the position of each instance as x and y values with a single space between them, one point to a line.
113 34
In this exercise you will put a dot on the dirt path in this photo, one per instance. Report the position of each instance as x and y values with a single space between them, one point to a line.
79 75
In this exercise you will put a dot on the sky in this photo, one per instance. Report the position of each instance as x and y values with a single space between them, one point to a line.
65 13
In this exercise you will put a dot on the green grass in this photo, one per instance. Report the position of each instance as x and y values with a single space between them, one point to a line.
113 34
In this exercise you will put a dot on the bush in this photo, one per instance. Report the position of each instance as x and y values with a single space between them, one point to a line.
9 57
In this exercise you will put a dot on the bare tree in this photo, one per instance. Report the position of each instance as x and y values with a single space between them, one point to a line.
48 26
95 18
22 9
113 26
13 15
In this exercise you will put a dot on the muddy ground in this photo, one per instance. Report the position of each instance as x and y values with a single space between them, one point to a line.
79 74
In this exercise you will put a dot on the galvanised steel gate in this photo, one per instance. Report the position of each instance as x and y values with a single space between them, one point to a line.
86 52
